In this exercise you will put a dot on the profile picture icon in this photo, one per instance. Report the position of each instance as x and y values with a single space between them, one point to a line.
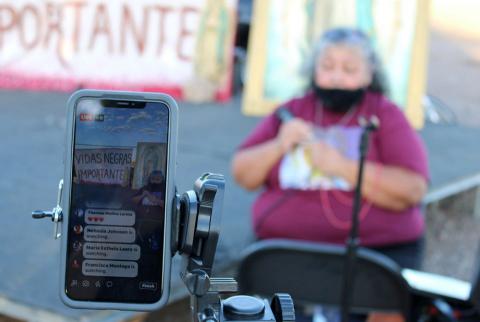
75 263
79 213
77 246
153 242
78 229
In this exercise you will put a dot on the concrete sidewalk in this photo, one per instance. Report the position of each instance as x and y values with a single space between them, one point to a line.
32 131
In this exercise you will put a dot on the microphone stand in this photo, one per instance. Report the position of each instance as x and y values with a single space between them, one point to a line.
284 115
353 240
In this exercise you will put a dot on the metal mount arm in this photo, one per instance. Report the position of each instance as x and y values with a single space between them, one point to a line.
56 214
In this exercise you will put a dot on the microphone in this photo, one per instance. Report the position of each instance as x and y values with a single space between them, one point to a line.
283 114
372 124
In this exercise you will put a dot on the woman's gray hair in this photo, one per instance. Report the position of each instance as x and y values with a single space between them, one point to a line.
355 38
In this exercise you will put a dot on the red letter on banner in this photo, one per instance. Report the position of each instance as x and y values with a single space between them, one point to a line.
28 45
101 26
184 32
163 11
5 24
139 35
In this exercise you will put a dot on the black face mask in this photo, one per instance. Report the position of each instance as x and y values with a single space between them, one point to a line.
339 100
155 187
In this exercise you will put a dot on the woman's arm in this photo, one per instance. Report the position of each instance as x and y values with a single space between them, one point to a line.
390 187
250 167
138 197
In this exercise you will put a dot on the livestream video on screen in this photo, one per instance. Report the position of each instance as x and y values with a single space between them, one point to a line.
118 201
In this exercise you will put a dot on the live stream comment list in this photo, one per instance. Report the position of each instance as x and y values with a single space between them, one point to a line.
109 248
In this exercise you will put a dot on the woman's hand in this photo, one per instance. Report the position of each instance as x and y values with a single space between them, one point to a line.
293 133
326 158
156 201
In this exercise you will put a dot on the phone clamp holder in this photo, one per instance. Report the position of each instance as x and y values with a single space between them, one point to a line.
197 218
55 214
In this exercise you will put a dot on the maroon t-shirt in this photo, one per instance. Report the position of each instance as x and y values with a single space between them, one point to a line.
325 215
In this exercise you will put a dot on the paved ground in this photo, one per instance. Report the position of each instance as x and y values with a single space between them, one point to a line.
453 76
32 132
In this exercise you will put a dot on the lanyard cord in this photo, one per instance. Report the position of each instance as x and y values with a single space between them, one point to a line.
332 218
328 209
273 206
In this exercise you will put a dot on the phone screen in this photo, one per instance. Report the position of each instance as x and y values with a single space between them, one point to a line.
115 244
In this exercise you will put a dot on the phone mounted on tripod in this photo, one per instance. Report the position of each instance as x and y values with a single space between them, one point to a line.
121 219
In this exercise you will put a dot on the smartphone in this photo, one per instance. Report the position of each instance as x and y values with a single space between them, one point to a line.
117 210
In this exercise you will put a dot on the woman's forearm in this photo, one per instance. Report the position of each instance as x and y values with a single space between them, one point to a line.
250 167
389 187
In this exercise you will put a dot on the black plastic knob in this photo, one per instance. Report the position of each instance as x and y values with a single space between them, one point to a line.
243 306
283 308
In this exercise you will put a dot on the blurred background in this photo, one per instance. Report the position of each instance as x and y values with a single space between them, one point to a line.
228 63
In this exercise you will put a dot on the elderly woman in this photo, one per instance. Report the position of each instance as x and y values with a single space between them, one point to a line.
153 193
315 204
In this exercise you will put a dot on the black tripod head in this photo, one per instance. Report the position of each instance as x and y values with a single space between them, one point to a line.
197 218
196 230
